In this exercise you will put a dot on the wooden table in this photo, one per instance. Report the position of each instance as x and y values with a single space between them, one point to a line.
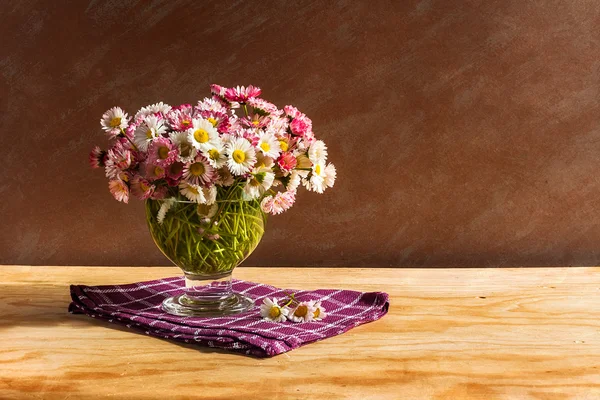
450 334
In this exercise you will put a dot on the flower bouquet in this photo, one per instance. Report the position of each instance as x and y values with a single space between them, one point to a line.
209 174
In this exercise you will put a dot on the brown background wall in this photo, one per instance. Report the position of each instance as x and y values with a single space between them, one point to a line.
466 133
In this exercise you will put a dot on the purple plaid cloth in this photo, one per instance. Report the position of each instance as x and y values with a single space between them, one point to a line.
137 306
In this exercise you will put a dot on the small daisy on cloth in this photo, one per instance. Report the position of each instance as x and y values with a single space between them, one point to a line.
138 306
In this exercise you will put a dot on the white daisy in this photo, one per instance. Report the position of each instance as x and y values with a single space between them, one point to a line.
317 152
304 312
164 208
187 152
316 181
202 134
294 181
241 156
192 192
152 109
330 175
210 194
258 183
113 121
269 145
151 128
319 311
216 155
272 311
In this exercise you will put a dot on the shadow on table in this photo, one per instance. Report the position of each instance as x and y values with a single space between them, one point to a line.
46 306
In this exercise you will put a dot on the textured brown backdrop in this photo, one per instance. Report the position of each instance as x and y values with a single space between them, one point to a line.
466 133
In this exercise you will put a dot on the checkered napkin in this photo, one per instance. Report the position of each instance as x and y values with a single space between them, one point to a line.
137 306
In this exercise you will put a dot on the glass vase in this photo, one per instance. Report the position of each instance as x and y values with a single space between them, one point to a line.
207 243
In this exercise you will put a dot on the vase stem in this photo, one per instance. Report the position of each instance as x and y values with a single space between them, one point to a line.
200 288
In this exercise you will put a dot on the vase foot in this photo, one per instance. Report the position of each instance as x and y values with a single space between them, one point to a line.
183 305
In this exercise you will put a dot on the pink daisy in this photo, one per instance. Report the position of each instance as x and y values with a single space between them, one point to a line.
256 121
299 126
180 118
154 172
159 193
278 204
263 107
97 157
162 152
242 94
118 159
217 90
287 161
174 172
119 190
141 188
198 171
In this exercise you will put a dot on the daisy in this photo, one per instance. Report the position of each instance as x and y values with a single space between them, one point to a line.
119 190
187 152
300 126
180 118
141 188
154 172
294 180
151 128
272 311
242 94
153 109
202 134
287 162
263 107
217 90
256 122
317 152
330 175
164 208
161 151
268 145
304 312
319 311
118 159
278 204
198 171
215 155
211 105
241 156
316 182
259 182
263 161
210 194
192 192
224 177
278 125
113 121
97 157
175 170
207 211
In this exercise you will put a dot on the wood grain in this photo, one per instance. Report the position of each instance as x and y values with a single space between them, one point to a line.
450 334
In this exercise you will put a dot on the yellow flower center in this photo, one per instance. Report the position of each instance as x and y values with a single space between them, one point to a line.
317 313
283 144
255 123
254 182
149 134
116 121
192 189
144 187
301 311
274 312
239 156
201 136
212 121
318 169
214 154
163 152
158 171
185 122
124 177
197 169
265 146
